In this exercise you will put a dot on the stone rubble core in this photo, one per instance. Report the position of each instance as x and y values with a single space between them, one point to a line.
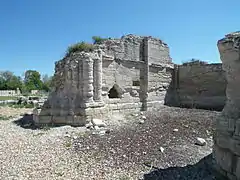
227 135
120 76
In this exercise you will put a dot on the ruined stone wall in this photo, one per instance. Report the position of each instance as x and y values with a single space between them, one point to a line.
131 47
77 88
159 80
139 68
158 52
226 149
198 86
119 75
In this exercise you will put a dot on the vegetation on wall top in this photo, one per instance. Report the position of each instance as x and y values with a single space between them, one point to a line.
84 46
78 47
194 61
98 39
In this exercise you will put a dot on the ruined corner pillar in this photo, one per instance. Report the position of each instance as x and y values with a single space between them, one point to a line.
226 149
97 74
144 75
88 80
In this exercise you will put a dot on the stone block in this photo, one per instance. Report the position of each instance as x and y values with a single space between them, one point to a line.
79 120
223 158
223 141
235 146
59 119
231 176
126 106
113 106
237 171
44 112
36 118
237 129
69 119
36 111
45 119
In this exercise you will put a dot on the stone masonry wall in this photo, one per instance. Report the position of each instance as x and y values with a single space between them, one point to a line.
227 135
137 66
131 47
124 75
198 85
159 80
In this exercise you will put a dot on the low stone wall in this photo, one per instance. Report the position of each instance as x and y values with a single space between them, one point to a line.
9 93
198 85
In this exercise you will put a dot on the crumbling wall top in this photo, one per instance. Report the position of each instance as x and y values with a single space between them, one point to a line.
232 39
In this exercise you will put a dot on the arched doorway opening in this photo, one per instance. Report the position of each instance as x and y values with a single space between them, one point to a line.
114 92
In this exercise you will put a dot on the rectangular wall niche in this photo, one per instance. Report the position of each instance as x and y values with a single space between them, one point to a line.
136 83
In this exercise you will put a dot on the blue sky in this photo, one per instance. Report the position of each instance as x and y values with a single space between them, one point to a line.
35 34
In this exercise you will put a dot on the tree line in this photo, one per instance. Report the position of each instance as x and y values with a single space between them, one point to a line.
32 80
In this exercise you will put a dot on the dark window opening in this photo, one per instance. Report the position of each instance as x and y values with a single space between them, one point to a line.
113 93
136 83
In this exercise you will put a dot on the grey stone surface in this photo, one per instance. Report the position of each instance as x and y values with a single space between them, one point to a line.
200 141
226 138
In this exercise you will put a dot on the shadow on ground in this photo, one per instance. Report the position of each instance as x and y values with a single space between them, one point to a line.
202 170
26 121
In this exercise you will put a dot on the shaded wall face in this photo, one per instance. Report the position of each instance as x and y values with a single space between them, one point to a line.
67 86
200 86
158 82
124 75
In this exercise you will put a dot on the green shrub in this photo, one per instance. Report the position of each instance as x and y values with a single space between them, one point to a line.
195 61
22 106
4 118
29 106
98 40
82 46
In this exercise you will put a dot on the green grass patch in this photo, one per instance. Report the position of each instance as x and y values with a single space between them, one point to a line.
4 118
30 106
4 98
78 47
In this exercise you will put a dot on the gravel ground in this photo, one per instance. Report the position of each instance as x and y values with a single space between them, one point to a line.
130 151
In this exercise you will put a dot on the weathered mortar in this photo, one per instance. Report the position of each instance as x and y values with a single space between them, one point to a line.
227 137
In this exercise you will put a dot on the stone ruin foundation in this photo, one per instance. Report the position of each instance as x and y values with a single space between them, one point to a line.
227 136
120 76
77 94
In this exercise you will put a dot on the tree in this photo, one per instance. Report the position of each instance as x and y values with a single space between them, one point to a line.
8 81
14 82
7 75
47 82
2 83
33 80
